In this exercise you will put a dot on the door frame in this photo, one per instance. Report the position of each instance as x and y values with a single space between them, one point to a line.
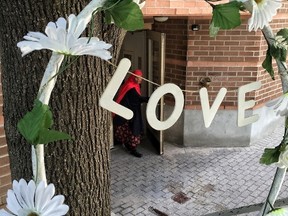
160 38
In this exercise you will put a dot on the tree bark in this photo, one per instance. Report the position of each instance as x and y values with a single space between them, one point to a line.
80 168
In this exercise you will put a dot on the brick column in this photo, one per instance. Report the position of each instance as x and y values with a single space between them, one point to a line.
5 177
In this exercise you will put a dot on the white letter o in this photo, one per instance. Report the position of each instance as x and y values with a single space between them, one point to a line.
153 101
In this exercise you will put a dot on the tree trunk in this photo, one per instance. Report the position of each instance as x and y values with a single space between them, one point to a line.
79 168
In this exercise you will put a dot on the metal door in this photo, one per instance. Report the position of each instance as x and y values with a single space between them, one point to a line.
156 42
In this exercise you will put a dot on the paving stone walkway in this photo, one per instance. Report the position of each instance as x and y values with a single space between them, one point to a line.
205 180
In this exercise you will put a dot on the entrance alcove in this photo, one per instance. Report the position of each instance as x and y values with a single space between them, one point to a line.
230 60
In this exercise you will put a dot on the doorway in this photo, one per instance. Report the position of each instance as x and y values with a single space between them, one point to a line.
146 50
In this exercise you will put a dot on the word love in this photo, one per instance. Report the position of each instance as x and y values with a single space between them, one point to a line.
107 102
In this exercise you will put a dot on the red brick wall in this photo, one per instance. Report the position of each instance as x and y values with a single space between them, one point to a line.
5 178
185 8
176 7
176 49
232 59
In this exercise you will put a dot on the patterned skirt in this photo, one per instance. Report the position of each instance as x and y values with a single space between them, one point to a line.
123 134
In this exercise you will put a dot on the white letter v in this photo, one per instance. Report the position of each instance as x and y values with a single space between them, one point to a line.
209 114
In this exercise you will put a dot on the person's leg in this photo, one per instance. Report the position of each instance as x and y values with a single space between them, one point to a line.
134 141
122 135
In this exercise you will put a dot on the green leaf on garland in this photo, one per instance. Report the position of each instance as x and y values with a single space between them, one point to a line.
47 136
35 126
275 52
213 31
227 16
125 14
278 53
108 17
270 155
283 33
267 64
283 55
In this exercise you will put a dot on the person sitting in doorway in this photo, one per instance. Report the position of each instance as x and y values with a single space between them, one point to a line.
128 132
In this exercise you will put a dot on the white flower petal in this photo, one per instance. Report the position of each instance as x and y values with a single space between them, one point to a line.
64 40
81 25
29 38
48 193
72 21
262 13
94 47
101 44
34 36
12 203
61 36
56 200
14 198
39 194
82 42
5 213
103 54
50 30
58 211
24 193
53 45
71 41
25 199
77 26
28 46
55 203
31 188
61 23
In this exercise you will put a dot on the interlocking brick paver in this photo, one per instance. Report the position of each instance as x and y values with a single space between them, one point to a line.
215 179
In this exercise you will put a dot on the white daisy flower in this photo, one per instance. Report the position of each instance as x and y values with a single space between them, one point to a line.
31 200
63 40
262 12
280 105
278 212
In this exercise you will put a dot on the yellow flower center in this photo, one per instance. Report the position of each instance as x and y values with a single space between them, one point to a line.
259 2
32 214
